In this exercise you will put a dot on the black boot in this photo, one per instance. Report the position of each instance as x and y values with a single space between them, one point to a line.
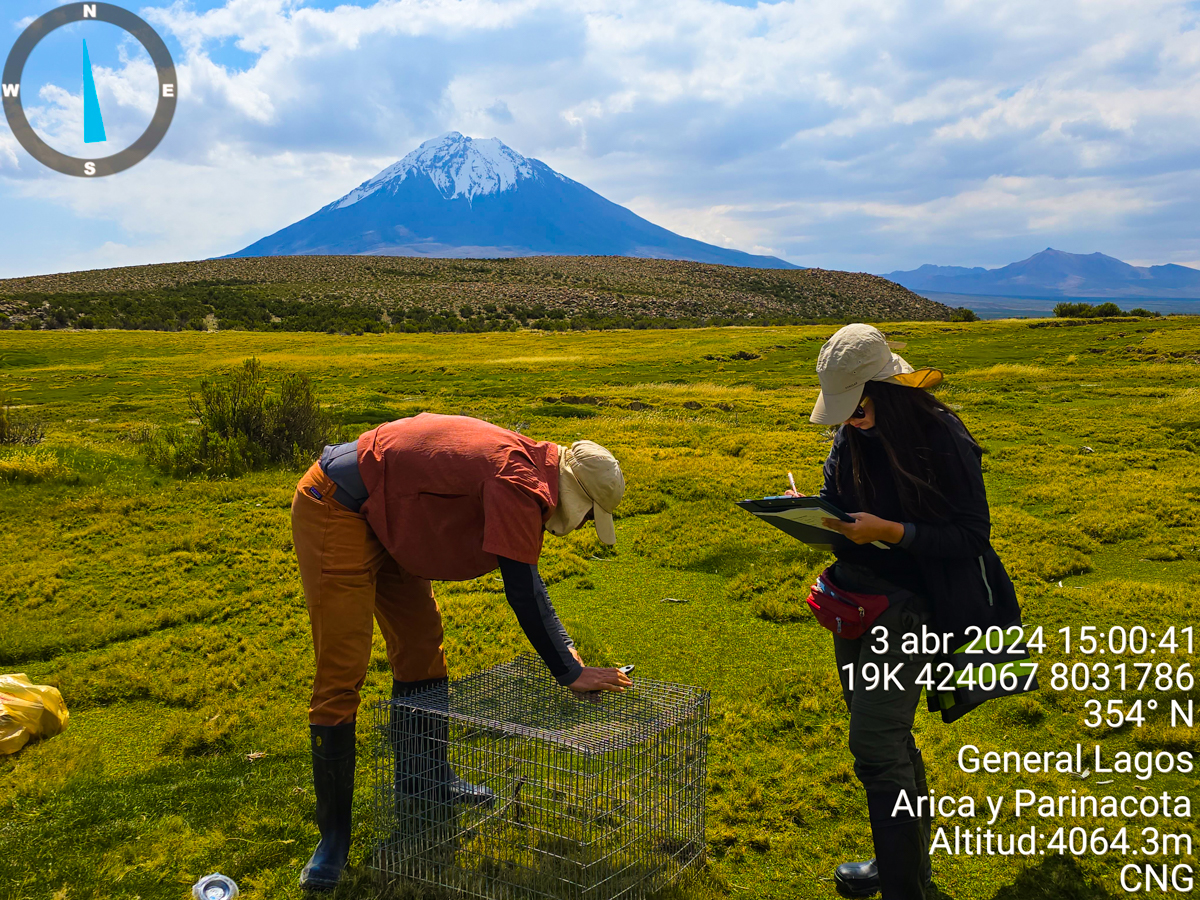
333 782
421 740
861 879
900 853
857 879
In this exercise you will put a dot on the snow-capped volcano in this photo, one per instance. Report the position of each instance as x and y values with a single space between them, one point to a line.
458 166
456 196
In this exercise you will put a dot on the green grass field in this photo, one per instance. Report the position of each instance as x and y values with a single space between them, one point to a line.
170 613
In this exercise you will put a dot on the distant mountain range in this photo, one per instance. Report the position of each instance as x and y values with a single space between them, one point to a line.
456 196
1053 274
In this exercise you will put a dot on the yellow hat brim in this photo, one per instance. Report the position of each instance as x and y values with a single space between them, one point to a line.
921 378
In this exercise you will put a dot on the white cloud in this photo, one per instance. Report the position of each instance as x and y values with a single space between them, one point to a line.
8 152
872 134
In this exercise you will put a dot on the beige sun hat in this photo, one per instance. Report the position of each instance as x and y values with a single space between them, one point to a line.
855 355
589 479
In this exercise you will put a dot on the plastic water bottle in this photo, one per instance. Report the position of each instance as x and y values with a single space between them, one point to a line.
215 887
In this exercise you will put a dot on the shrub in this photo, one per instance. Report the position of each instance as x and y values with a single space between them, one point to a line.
962 314
20 426
1087 311
1073 310
242 427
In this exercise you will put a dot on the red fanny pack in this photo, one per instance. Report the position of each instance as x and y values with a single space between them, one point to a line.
846 613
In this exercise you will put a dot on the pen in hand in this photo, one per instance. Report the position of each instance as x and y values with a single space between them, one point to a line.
792 482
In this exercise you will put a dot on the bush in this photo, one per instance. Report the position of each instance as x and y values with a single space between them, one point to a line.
962 314
1087 311
243 428
19 426
1073 310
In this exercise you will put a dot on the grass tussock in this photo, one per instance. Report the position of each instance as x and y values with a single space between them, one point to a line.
1007 371
778 595
34 466
20 426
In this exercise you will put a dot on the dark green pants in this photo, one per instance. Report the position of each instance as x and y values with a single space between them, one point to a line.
881 740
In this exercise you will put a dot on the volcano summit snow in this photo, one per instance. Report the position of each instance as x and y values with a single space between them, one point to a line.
471 167
456 196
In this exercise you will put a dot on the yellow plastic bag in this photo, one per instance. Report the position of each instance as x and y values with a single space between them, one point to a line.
28 711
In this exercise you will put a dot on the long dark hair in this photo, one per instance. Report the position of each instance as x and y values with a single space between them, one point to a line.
904 418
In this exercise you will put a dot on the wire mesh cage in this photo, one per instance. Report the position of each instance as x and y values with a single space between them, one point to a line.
506 785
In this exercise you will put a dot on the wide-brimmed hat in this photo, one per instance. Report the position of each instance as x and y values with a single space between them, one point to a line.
855 355
595 483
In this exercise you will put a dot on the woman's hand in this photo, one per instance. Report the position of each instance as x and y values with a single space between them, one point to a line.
595 679
790 493
866 528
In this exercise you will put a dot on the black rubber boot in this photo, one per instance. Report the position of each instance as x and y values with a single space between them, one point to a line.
421 741
900 853
861 879
857 879
333 782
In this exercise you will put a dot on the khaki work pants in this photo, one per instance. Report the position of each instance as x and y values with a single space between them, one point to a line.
349 578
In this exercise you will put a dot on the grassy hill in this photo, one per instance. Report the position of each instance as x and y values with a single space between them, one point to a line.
170 613
358 294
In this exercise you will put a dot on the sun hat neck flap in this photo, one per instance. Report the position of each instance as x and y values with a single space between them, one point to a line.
573 501
589 479
853 356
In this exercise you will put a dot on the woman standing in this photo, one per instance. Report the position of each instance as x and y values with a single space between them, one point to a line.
908 471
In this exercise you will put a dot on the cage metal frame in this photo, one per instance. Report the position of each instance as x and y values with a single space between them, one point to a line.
594 797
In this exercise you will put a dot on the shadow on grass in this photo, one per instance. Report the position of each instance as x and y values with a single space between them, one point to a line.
1057 878
362 883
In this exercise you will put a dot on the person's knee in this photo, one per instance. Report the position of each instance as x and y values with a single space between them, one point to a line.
868 750
879 744
329 714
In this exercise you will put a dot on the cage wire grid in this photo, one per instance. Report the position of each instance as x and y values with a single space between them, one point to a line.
597 798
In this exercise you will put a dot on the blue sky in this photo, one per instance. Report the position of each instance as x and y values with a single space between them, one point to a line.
868 135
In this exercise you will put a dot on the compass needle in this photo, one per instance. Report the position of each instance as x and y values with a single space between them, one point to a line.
93 121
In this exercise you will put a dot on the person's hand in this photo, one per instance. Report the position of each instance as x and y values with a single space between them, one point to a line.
866 528
790 493
596 679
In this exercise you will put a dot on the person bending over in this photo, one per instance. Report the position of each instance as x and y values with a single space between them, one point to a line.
908 471
431 497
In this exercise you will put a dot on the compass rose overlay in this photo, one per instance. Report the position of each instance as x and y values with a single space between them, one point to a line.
10 83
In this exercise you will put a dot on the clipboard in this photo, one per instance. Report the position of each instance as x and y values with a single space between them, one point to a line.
800 517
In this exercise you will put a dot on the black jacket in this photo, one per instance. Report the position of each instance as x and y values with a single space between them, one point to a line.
951 562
